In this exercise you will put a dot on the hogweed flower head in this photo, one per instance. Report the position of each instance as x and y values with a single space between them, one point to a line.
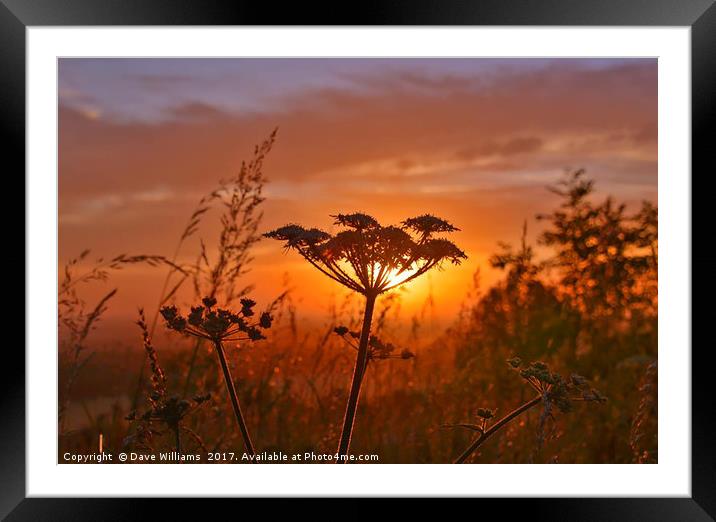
370 258
553 387
218 325
206 321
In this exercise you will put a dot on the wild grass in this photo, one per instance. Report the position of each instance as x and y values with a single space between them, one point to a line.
164 409
76 321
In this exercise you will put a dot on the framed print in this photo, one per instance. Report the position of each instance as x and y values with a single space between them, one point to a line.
422 243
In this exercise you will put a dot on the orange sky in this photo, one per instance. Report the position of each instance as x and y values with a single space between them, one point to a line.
474 141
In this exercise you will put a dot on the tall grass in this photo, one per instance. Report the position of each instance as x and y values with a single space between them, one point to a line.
76 321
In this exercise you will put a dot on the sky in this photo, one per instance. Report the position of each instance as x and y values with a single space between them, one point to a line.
475 141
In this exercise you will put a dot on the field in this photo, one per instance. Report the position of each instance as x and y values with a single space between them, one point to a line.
586 314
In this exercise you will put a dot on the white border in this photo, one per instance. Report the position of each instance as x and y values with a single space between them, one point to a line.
670 477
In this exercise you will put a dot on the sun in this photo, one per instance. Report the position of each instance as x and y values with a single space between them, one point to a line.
396 277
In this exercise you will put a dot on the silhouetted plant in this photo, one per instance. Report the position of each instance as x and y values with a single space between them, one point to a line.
643 436
377 349
164 409
598 247
170 286
370 259
606 262
73 314
552 389
240 197
218 325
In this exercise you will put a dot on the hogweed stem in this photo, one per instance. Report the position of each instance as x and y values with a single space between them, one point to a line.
482 438
248 445
358 373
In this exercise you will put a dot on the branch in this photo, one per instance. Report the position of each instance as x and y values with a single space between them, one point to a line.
348 283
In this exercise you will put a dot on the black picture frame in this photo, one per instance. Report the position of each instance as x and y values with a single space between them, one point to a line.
700 15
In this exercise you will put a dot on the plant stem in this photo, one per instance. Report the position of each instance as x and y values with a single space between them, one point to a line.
248 445
358 373
495 427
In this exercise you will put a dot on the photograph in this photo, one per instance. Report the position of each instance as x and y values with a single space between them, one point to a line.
421 238
357 260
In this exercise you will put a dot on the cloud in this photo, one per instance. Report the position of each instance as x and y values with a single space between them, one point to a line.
161 81
514 146
197 111
329 129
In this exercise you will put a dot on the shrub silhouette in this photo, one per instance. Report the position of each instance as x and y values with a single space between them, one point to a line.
606 263
370 259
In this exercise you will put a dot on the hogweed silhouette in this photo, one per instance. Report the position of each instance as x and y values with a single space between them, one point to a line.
218 325
552 389
370 259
